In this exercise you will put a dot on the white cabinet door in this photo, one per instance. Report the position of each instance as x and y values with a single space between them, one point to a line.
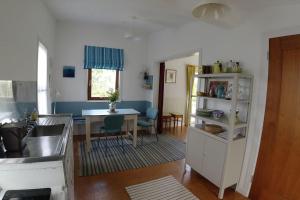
213 160
195 149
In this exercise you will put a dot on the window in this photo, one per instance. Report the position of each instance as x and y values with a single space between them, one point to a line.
100 81
6 91
42 80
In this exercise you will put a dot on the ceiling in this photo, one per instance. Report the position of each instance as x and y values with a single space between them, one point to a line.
150 15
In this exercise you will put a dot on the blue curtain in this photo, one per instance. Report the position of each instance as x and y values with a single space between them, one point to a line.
103 58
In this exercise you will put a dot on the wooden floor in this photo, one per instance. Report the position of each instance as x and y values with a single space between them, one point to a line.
112 186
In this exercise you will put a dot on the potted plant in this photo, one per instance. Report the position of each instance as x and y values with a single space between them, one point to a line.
113 96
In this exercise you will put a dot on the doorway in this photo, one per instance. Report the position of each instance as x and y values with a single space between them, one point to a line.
172 98
277 170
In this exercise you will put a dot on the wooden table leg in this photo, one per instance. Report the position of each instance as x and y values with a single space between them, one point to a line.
88 133
134 131
181 123
174 123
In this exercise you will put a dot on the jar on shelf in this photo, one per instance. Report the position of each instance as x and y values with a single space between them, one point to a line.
217 66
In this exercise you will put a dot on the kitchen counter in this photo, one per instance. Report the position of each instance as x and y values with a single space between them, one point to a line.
45 148
2 192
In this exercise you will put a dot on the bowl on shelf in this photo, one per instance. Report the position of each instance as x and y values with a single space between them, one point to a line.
218 114
204 112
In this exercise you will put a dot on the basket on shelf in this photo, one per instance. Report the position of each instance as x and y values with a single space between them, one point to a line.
212 128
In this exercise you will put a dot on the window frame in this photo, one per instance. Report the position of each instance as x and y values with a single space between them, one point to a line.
90 85
45 88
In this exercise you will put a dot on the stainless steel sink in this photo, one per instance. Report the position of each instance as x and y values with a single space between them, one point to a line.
49 130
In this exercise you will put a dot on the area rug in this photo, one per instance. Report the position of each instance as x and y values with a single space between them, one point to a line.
166 188
151 153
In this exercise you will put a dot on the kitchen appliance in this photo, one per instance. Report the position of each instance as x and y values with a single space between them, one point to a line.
31 194
13 135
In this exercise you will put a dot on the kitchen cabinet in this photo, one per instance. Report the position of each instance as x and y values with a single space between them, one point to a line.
219 156
195 150
52 167
206 155
213 160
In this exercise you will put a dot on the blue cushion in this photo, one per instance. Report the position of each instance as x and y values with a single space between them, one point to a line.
144 123
151 113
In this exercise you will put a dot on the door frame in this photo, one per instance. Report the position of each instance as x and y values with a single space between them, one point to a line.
161 88
161 81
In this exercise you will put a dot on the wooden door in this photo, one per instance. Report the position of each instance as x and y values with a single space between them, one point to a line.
277 175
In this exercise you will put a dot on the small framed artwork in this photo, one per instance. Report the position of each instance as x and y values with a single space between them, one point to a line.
68 71
217 89
170 76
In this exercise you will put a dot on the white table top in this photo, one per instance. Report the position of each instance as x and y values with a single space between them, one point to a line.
105 112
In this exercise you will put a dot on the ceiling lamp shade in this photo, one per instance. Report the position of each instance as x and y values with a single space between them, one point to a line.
210 11
131 35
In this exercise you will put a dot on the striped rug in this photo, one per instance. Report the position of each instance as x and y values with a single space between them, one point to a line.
95 162
166 188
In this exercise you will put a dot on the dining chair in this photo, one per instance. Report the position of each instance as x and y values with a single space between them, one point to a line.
113 127
149 122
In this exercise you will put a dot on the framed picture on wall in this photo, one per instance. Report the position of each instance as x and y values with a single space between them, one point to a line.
69 71
170 76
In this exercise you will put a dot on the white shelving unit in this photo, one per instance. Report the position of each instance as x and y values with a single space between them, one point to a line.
219 157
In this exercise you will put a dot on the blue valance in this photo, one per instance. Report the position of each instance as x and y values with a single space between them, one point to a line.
103 58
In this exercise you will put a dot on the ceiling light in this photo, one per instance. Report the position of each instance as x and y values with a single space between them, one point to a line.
131 34
212 10
128 36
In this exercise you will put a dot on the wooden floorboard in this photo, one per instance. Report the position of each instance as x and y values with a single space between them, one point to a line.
112 186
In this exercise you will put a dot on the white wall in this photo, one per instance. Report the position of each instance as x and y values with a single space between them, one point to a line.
70 40
22 25
247 43
175 93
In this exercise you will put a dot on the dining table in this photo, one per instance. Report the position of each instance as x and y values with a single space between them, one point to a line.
98 115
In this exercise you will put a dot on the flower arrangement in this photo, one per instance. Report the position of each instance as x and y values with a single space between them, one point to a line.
113 96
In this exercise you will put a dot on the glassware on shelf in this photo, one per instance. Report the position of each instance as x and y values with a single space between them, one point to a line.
243 92
228 94
220 91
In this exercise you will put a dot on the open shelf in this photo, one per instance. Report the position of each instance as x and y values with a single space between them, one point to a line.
216 99
222 153
224 75
221 122
215 136
222 100
223 136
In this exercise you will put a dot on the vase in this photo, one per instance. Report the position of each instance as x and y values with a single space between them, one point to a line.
112 107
